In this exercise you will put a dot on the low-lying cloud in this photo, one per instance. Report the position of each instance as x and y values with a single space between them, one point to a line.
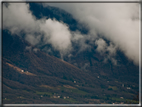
18 19
58 34
101 46
110 49
117 22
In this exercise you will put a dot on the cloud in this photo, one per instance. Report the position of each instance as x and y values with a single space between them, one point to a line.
111 49
58 34
80 40
35 50
102 48
117 22
18 19
28 48
33 39
85 66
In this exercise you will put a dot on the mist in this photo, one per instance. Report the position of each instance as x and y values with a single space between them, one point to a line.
117 22
18 19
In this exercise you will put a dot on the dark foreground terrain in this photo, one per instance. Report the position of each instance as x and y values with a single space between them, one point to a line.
31 76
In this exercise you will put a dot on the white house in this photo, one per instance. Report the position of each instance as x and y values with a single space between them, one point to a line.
22 70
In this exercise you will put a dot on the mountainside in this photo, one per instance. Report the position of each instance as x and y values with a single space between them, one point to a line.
50 57
32 76
88 60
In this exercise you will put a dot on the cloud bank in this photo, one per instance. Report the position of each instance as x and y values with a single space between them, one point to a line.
18 19
117 22
103 48
57 34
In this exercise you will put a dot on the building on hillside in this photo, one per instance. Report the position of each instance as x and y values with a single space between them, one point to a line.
22 70
128 88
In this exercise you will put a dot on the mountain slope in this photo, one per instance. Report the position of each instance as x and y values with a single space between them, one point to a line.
88 60
51 80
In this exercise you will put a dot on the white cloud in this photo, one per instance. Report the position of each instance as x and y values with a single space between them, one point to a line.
111 49
18 18
28 48
118 22
33 39
35 50
58 34
80 40
101 46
